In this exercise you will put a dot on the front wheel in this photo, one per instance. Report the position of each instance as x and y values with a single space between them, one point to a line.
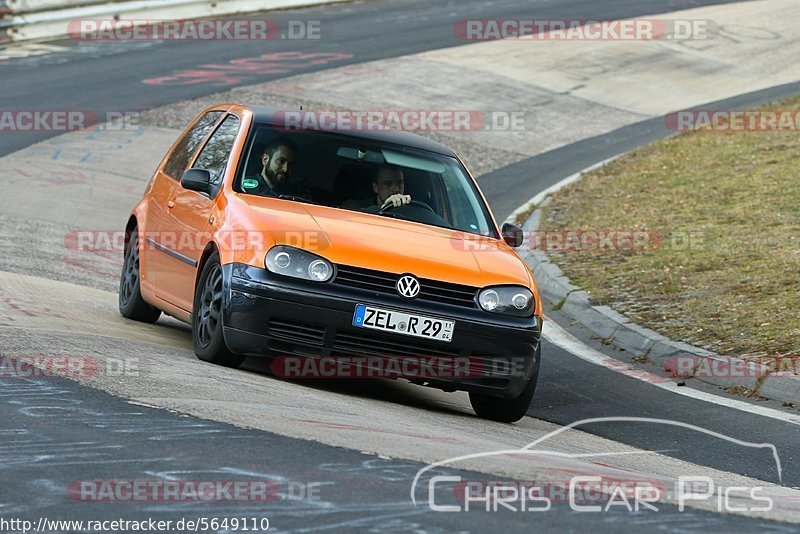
507 410
209 344
131 303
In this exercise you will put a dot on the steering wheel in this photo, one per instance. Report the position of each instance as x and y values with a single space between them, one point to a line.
412 203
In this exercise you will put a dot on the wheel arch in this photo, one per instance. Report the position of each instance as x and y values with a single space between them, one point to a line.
210 248
132 223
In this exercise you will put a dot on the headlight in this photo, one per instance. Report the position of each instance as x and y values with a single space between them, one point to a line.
297 263
320 270
489 299
509 300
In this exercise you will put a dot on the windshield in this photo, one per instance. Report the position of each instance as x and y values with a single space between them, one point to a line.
363 175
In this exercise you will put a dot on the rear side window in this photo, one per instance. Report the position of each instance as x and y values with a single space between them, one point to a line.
187 146
214 156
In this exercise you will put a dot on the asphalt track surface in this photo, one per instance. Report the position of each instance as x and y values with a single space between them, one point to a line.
71 429
106 76
52 445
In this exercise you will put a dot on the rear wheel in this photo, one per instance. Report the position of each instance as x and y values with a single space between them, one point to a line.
209 344
507 410
131 303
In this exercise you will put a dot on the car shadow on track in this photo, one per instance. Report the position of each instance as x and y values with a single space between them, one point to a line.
395 391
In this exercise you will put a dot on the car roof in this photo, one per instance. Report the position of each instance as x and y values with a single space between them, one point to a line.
264 115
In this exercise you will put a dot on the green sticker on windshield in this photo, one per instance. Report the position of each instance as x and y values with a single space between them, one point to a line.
249 183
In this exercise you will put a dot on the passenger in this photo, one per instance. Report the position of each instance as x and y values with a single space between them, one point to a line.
388 186
277 165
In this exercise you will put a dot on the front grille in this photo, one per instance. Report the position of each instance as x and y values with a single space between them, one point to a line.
290 337
296 331
381 282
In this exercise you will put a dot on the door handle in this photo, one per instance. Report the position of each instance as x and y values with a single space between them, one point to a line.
170 204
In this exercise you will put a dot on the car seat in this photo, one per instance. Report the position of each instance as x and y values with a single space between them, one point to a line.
353 181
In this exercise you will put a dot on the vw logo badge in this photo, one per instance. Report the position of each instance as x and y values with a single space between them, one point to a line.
408 286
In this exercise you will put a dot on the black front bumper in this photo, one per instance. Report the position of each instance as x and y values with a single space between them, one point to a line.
267 314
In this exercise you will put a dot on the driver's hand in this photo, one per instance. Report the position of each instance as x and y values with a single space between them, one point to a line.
397 201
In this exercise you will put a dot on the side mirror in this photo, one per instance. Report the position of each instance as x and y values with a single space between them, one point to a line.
513 235
197 180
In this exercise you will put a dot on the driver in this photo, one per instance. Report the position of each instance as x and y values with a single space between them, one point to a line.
388 186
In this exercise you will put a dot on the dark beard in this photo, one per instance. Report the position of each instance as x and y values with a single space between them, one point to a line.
273 178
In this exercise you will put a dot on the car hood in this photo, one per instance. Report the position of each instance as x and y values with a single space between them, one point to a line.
373 242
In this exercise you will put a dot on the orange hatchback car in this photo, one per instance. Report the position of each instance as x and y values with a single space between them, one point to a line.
372 252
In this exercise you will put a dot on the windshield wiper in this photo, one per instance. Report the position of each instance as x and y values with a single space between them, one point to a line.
298 199
391 215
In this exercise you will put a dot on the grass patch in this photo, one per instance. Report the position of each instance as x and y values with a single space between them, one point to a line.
726 207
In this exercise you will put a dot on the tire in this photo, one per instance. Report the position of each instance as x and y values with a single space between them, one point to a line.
131 303
209 343
507 410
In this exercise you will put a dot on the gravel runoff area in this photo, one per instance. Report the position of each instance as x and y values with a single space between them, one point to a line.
718 218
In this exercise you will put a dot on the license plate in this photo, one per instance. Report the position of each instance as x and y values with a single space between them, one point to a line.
403 323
